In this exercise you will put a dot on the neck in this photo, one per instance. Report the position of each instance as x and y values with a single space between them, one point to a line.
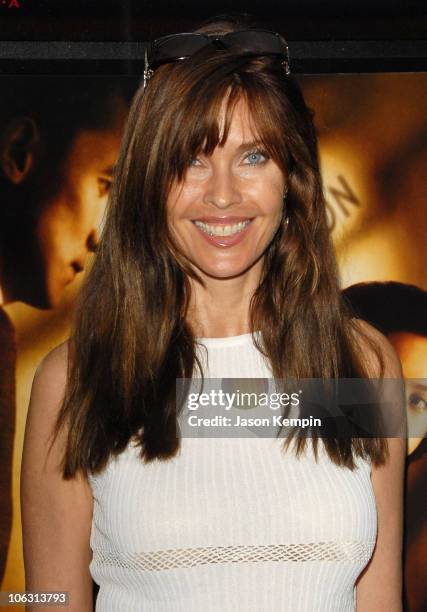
222 307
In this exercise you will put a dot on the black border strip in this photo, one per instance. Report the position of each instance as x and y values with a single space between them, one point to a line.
56 57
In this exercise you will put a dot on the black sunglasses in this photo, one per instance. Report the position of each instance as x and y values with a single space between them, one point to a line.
176 47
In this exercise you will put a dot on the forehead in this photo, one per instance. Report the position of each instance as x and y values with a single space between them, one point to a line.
93 149
412 351
241 123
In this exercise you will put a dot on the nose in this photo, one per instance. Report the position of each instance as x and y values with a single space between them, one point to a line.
92 241
222 189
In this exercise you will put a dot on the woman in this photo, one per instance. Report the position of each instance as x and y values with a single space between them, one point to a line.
216 229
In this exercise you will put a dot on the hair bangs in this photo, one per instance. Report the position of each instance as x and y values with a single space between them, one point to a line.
204 125
266 120
205 120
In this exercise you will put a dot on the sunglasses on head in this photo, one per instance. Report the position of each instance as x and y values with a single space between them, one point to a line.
177 47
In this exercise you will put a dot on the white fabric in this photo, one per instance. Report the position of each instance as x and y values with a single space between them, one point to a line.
231 524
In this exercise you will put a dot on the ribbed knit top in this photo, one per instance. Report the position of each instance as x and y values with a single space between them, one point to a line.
231 524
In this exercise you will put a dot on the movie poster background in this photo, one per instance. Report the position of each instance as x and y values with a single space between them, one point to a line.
373 144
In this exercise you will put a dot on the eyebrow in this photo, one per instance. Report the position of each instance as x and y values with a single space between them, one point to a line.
109 170
419 387
250 144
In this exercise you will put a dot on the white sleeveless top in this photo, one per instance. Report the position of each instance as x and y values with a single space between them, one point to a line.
231 524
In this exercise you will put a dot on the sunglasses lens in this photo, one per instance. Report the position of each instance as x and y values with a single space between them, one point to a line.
182 46
261 42
177 46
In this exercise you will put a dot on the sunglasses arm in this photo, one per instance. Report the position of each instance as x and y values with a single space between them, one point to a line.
286 62
148 72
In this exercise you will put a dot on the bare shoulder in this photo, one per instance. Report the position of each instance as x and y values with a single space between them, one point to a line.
56 513
373 344
51 376
54 364
47 393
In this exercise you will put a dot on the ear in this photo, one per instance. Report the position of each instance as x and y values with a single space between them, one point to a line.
19 146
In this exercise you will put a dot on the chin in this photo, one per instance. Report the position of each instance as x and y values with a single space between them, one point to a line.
224 274
35 302
32 294
43 304
46 299
53 299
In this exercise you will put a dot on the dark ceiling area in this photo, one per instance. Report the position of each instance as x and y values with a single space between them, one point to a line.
138 20
109 36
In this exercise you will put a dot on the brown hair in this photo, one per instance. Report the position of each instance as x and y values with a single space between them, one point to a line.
131 338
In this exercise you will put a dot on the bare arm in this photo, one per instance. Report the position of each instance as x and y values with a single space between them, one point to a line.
379 588
56 513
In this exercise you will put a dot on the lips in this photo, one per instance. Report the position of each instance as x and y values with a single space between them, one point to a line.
231 220
229 238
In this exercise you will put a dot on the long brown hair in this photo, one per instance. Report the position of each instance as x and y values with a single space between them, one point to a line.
131 338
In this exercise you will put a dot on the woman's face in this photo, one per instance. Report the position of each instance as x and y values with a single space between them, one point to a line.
412 351
227 209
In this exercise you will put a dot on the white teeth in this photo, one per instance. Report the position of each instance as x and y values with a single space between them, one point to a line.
222 230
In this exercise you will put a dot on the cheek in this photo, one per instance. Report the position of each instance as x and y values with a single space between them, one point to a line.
49 229
89 205
270 193
181 197
179 205
56 231
82 204
272 205
82 209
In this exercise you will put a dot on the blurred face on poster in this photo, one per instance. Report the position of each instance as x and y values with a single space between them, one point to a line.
399 311
67 230
412 351
54 222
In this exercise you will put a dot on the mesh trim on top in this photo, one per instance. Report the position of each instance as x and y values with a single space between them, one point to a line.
353 552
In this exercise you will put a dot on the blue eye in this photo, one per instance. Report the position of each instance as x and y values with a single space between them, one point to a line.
255 158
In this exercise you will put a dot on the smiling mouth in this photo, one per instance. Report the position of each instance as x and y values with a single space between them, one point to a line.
221 229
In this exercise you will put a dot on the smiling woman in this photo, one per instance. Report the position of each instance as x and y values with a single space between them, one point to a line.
236 177
215 260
